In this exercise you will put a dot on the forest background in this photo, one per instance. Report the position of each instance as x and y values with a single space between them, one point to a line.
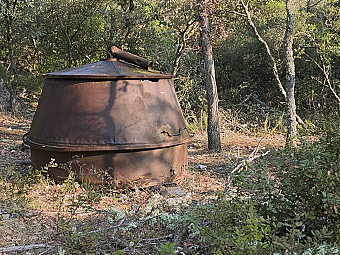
44 36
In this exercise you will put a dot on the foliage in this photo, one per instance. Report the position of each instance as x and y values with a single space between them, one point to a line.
53 35
314 195
287 202
225 232
167 249
197 124
243 67
297 192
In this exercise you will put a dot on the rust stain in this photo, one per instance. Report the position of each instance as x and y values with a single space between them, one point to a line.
110 122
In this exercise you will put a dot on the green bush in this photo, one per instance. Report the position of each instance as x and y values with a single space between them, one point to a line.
298 193
233 227
311 187
167 249
288 202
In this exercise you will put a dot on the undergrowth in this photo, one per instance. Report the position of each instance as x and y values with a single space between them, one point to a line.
296 194
286 203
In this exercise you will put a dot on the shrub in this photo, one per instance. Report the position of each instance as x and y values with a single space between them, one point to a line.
286 203
233 227
298 193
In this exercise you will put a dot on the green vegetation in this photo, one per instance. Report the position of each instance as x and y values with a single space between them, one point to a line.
286 202
47 36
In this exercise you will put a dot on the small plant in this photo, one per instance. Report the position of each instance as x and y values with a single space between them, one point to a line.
167 249
197 124
297 192
232 227
269 128
311 186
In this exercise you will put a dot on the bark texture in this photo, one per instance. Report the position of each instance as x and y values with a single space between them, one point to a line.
214 142
290 73
12 79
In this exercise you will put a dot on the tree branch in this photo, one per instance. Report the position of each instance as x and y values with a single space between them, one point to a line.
264 43
237 13
322 68
24 247
252 156
271 58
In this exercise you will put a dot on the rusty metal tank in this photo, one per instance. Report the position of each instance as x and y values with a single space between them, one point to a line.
114 121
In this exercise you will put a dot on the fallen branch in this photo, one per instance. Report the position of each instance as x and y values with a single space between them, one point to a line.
154 239
115 227
24 247
240 166
22 161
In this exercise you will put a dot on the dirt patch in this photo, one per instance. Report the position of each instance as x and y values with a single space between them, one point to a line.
206 172
36 217
11 145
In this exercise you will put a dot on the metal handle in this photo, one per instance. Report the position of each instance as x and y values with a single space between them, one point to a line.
131 58
178 134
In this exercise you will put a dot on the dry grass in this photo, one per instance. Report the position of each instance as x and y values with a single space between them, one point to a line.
41 212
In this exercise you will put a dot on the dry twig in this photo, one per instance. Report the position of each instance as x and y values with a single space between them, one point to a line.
154 239
240 166
24 247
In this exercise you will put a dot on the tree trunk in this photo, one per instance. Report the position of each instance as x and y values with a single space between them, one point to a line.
290 74
131 6
12 79
69 50
177 59
214 142
12 101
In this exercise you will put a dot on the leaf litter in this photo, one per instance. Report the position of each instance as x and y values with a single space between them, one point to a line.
36 216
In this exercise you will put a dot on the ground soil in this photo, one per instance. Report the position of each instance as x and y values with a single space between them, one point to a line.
34 220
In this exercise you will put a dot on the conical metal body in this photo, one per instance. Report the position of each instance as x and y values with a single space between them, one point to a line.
110 122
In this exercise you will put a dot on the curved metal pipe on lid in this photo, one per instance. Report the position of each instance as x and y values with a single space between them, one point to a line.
131 58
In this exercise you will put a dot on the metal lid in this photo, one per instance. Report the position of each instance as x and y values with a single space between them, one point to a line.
119 65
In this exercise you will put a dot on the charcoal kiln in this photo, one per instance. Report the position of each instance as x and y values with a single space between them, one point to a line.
115 121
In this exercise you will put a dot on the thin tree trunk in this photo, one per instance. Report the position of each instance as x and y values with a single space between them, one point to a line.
271 58
177 59
12 80
69 42
214 142
323 69
131 6
183 37
290 73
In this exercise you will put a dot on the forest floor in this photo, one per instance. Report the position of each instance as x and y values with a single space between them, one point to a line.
31 214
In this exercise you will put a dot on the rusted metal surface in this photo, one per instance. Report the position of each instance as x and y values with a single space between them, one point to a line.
131 58
110 69
83 115
111 123
139 168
